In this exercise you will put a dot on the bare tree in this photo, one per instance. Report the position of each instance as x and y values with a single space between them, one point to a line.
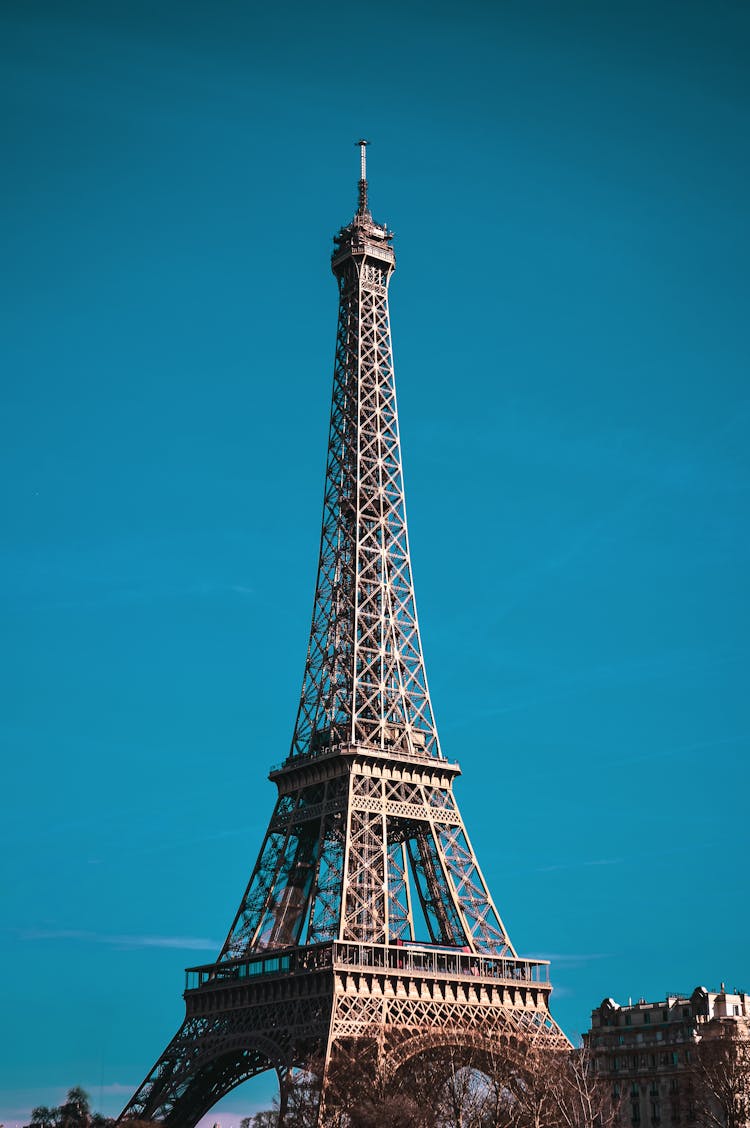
721 1077
529 1084
452 1087
360 1095
468 1096
464 1087
268 1119
302 1090
582 1099
548 1088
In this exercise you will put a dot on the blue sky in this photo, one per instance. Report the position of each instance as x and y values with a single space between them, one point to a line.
567 184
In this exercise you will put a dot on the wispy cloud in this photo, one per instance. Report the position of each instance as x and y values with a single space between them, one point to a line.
635 856
564 993
233 1120
641 473
115 596
114 1089
683 750
581 864
121 940
567 959
177 844
640 670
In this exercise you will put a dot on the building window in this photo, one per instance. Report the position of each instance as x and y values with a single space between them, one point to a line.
647 1018
674 1108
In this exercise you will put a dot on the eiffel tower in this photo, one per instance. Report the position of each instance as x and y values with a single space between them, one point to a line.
366 915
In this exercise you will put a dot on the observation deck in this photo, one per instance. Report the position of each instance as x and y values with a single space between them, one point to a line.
408 960
395 758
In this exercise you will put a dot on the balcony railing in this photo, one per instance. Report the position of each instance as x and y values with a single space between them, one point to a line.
435 961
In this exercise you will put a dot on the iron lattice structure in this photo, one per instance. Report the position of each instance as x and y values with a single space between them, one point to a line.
366 915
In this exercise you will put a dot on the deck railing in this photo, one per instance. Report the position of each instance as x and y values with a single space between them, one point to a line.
408 958
437 960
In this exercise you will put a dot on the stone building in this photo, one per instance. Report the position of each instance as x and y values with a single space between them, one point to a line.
648 1050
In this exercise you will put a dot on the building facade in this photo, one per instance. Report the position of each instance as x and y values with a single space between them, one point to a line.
648 1051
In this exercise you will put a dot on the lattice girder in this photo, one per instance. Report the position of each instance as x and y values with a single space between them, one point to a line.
212 1054
364 678
326 868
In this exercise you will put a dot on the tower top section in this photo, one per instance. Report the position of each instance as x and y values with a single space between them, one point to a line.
362 237
365 685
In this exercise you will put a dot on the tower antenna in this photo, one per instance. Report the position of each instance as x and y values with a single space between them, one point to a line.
362 176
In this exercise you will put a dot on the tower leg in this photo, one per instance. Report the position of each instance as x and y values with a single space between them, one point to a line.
284 1075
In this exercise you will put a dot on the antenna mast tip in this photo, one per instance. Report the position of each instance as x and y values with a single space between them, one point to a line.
363 209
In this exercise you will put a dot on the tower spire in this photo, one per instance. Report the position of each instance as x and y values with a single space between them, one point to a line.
363 208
